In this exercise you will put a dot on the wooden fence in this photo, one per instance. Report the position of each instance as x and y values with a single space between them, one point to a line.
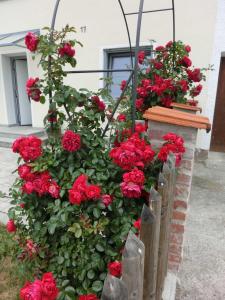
145 259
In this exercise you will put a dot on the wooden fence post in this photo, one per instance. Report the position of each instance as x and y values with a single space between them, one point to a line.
114 289
150 228
133 267
166 189
162 188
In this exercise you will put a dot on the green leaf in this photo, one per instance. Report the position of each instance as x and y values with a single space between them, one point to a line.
70 291
96 212
78 233
65 282
97 286
60 260
100 248
90 274
51 228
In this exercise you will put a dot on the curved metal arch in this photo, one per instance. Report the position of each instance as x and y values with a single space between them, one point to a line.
134 72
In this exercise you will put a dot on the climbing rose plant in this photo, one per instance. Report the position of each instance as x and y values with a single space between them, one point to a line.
77 196
167 77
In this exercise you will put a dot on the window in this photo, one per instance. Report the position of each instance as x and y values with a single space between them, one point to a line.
120 59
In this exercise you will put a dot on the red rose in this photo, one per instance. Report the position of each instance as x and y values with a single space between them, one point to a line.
130 190
158 65
22 205
100 104
67 50
71 141
88 297
139 104
187 48
75 197
196 91
115 268
123 84
54 189
140 128
93 192
31 41
28 188
186 62
121 118
107 200
137 224
25 173
194 75
28 147
183 85
31 291
136 176
166 101
141 57
49 288
169 44
160 48
32 88
10 226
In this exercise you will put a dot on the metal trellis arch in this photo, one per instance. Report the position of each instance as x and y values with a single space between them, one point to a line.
134 66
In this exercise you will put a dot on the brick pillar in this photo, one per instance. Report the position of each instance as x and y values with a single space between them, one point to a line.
160 122
183 184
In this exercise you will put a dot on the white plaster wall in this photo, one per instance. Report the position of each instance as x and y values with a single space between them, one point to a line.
195 25
217 52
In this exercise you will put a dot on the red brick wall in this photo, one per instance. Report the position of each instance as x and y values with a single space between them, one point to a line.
183 185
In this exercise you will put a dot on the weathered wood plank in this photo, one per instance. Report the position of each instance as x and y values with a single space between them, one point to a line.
114 289
133 267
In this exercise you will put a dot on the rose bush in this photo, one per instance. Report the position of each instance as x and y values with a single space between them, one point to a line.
167 77
77 197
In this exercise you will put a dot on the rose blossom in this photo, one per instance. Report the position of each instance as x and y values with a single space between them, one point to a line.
31 41
32 89
107 200
137 224
187 48
93 191
49 288
28 187
121 118
115 268
186 62
130 190
100 104
31 291
25 173
54 189
141 57
194 75
159 48
75 197
67 50
10 226
123 84
136 176
139 104
196 91
71 141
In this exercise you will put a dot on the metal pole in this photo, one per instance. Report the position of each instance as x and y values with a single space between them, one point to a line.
117 104
128 33
54 15
174 33
135 80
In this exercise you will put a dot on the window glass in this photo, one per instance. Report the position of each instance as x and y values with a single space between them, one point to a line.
120 60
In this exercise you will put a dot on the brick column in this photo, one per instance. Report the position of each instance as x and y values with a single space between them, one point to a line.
160 122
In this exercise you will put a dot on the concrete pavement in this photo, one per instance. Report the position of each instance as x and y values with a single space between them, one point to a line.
202 272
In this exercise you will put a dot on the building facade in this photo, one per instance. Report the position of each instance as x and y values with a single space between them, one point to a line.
101 29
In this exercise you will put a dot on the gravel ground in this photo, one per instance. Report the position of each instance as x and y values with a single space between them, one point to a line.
202 273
